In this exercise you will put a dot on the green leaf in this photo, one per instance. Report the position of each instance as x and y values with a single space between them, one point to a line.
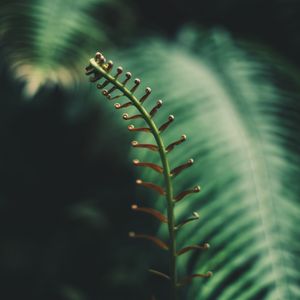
242 132
48 42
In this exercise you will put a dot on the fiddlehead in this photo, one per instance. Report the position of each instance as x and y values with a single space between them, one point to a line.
102 71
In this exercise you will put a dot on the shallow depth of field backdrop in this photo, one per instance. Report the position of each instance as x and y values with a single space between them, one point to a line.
227 69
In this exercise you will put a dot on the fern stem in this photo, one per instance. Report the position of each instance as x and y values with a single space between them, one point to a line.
166 173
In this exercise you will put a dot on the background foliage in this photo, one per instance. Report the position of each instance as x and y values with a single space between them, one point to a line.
228 70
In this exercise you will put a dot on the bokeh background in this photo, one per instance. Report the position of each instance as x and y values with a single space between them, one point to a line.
228 70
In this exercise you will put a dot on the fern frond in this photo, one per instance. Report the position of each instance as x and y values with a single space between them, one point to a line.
46 42
245 127
102 70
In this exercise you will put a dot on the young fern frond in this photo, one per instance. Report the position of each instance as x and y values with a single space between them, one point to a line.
102 70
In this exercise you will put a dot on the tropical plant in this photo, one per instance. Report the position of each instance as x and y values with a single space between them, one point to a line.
44 51
102 70
241 126
237 103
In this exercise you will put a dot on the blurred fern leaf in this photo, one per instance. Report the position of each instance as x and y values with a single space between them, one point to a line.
46 42
242 131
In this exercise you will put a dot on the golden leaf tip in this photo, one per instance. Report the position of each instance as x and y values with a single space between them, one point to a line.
99 57
197 188
130 127
131 234
196 215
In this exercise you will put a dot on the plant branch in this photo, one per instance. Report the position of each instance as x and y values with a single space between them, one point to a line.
166 171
